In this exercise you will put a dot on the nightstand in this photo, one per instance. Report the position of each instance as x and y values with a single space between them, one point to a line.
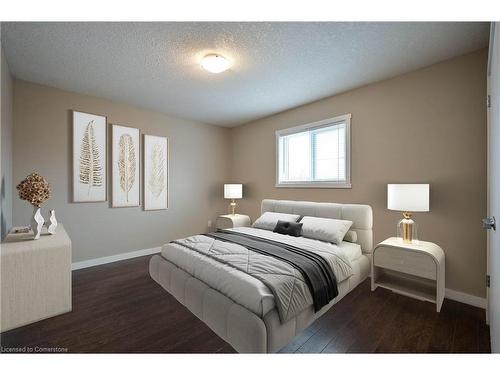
414 270
232 221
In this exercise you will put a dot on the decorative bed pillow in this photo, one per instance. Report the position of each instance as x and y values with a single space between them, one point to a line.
351 236
288 227
268 220
328 230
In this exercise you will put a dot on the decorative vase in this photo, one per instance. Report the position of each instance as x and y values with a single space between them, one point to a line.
37 222
53 222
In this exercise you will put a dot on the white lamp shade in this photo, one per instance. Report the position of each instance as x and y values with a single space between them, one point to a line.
408 197
233 191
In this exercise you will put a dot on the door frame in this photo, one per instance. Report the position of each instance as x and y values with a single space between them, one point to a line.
488 168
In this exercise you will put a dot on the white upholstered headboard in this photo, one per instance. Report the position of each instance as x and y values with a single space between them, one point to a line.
361 215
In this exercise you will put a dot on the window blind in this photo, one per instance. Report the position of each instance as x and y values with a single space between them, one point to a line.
316 154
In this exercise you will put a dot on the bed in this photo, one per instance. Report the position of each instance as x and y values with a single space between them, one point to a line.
239 307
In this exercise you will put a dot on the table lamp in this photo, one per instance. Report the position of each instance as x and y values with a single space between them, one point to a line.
408 198
233 191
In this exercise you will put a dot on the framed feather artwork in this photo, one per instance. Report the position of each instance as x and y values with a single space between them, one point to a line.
125 158
89 157
155 173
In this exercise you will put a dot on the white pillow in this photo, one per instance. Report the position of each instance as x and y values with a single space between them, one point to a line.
268 220
351 236
328 230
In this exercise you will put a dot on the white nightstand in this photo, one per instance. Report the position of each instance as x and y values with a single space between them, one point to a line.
232 221
415 270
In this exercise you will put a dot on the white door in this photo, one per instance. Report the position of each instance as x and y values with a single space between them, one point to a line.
494 186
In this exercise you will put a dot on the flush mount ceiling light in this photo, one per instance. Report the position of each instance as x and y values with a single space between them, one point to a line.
215 63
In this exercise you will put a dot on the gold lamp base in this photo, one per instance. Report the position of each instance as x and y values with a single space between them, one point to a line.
407 224
232 207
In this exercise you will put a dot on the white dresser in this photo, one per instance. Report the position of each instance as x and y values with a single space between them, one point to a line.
415 270
35 277
232 221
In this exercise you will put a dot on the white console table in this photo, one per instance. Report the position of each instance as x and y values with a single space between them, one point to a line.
35 277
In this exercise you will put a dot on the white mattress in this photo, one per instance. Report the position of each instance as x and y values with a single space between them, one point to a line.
235 284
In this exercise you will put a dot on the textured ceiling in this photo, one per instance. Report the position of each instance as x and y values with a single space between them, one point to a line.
276 66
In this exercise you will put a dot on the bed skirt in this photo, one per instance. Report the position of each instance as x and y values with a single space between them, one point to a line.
245 331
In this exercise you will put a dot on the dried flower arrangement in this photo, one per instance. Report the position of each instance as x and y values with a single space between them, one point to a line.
34 189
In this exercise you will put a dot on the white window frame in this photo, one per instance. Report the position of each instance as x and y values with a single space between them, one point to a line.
315 125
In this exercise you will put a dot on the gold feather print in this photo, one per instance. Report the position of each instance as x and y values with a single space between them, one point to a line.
90 159
126 163
156 182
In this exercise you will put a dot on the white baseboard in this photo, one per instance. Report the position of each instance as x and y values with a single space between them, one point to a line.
465 298
114 258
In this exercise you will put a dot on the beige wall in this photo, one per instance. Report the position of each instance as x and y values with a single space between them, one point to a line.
199 165
426 126
5 148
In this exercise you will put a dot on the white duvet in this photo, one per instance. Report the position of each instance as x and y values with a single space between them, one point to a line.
247 290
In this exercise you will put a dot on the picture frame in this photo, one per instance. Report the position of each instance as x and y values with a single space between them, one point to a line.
156 172
125 166
89 151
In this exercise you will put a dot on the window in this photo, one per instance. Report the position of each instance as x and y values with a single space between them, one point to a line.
315 155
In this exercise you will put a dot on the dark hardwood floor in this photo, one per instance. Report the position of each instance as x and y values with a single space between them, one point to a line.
118 308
